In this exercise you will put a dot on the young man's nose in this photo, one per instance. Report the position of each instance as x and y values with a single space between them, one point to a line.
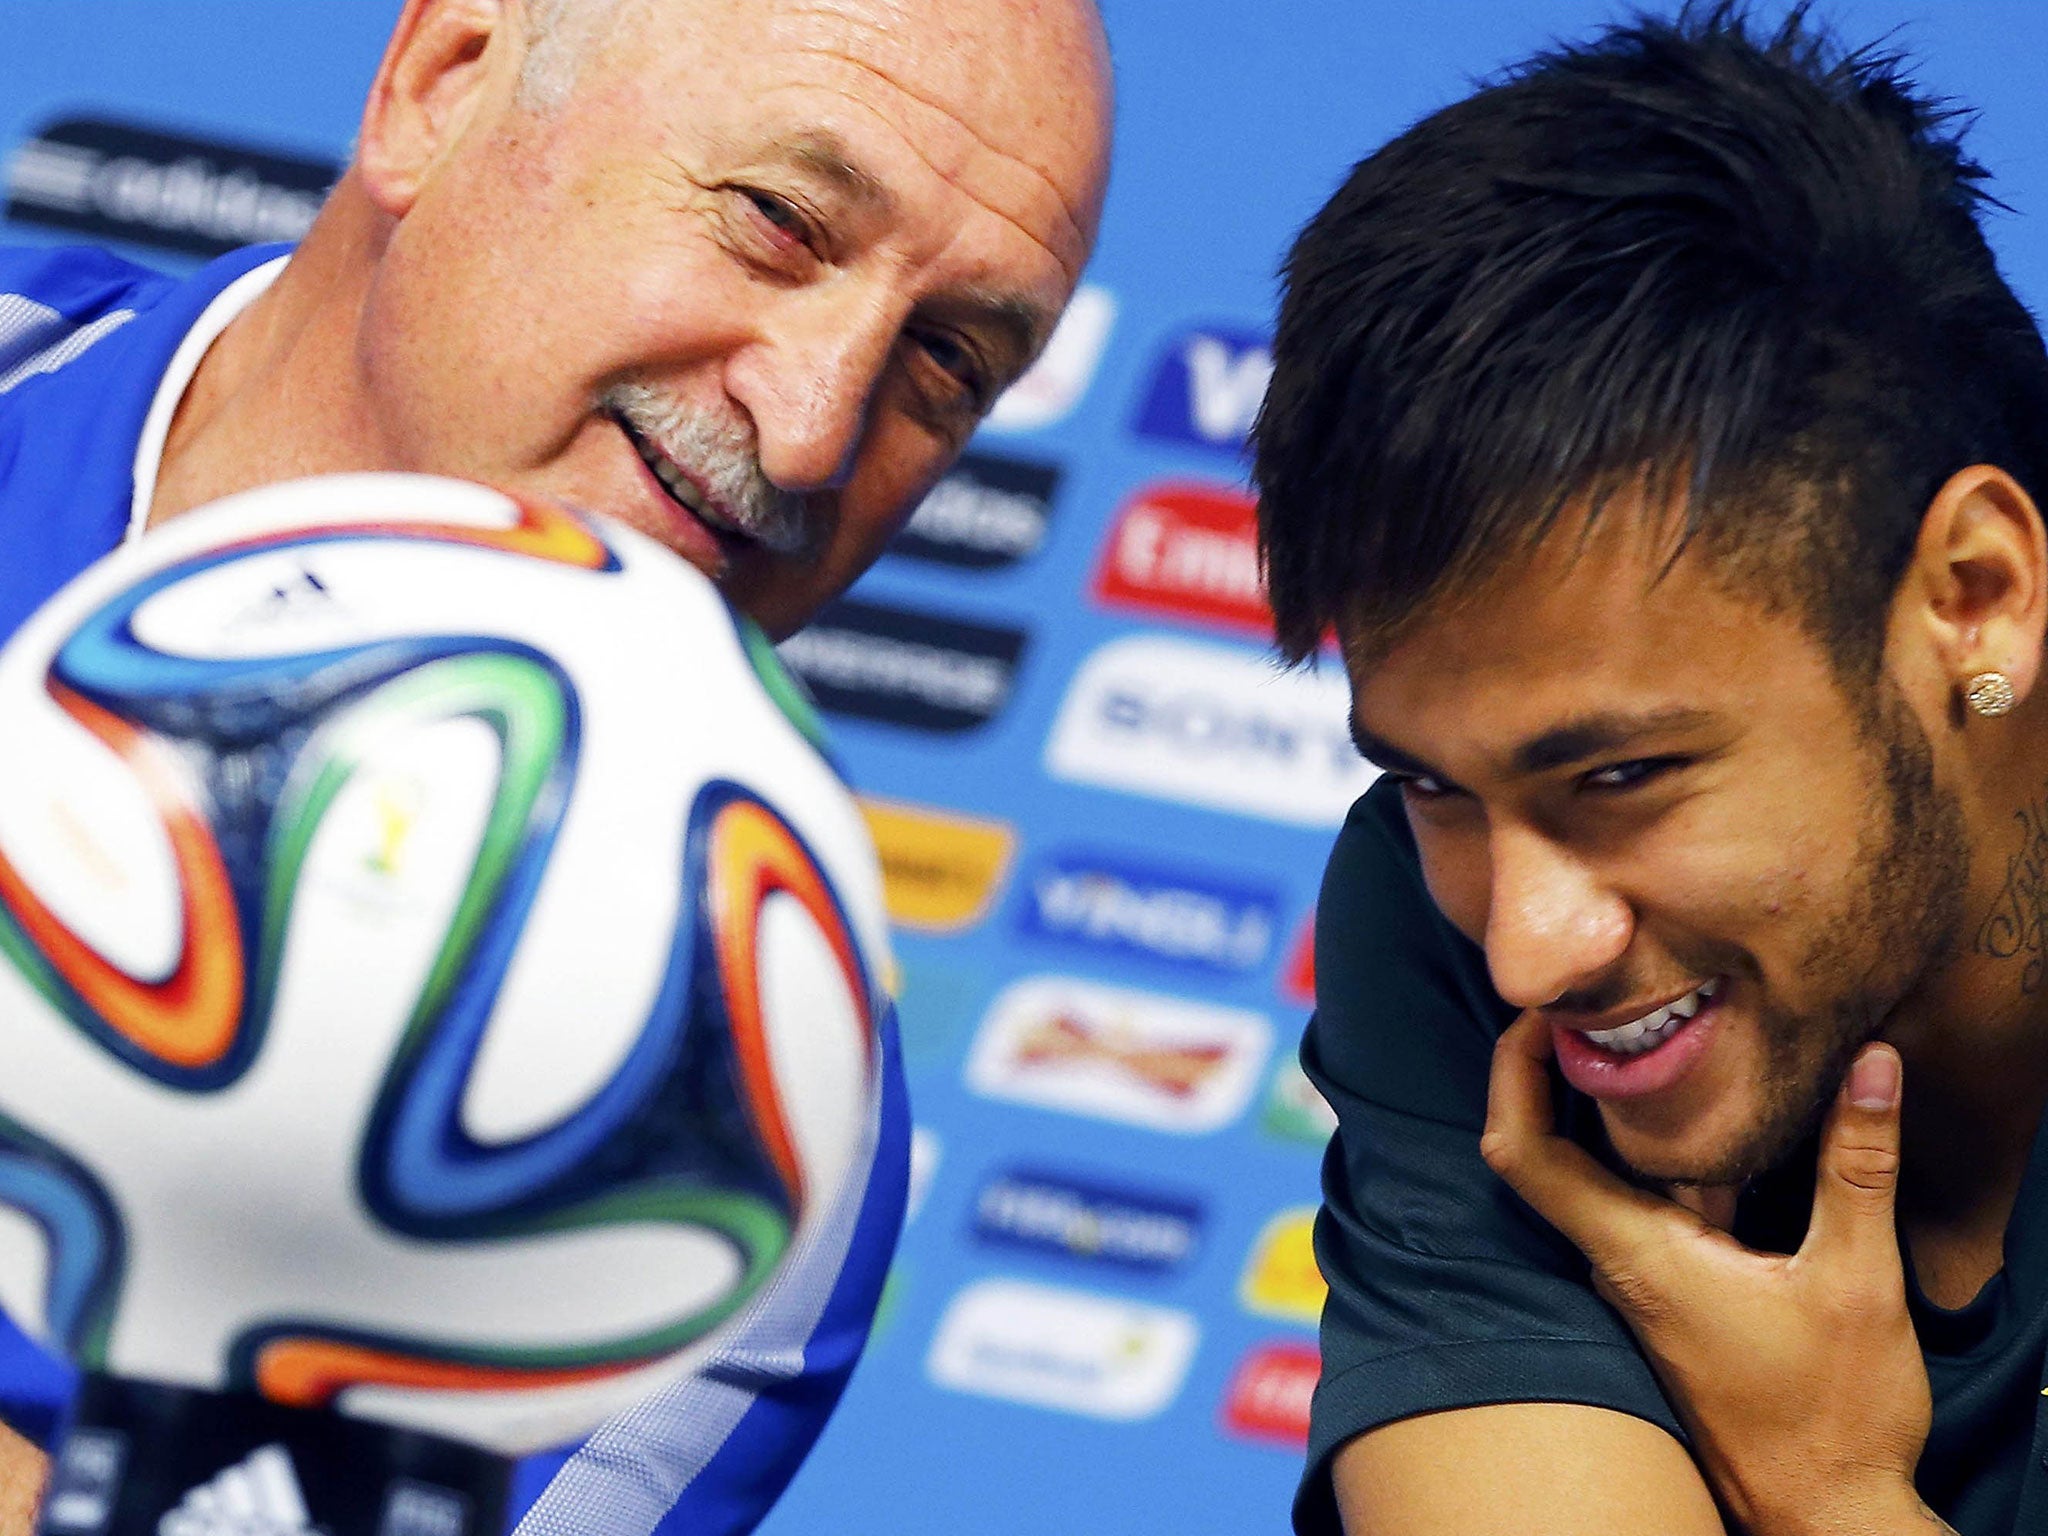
1553 926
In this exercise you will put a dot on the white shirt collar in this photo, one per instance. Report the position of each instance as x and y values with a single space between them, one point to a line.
156 426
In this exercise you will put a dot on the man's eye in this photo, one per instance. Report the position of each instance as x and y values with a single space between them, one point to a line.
954 358
1628 775
788 223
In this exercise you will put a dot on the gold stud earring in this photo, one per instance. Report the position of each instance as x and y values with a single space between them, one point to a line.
1990 694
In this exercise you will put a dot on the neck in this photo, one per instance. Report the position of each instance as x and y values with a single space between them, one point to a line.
1974 1036
277 395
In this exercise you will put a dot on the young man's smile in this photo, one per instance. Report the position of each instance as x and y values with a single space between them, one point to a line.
1712 874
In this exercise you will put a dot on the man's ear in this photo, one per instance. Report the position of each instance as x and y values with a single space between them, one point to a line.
436 69
1980 576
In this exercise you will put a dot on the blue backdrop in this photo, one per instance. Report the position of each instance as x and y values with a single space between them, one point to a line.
1103 816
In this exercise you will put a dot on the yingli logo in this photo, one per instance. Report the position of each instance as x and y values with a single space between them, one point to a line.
1189 552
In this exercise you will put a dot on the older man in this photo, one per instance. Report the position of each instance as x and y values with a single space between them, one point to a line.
744 273
1661 440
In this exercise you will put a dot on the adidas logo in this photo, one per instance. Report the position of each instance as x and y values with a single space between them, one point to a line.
257 1496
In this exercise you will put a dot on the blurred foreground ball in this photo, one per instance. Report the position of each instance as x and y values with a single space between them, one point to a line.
439 971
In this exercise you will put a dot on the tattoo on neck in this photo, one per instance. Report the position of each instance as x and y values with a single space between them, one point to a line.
2017 925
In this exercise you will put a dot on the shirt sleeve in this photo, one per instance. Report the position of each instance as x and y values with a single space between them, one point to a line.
709 1454
1446 1291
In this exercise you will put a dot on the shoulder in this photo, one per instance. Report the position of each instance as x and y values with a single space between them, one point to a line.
1405 1011
77 282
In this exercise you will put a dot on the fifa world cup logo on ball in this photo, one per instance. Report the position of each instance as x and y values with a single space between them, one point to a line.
438 971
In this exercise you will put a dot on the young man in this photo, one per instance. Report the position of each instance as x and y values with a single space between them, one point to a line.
743 273
1659 439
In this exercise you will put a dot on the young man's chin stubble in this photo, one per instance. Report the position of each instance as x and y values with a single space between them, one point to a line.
1898 927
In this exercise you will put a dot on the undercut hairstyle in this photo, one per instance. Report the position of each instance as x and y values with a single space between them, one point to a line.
1737 270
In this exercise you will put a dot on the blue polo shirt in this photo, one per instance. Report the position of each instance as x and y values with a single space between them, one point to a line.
85 341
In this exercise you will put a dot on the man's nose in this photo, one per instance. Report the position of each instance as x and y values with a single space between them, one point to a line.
809 381
1553 925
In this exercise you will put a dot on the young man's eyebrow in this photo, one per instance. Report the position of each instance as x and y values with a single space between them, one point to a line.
1599 735
1386 756
1589 736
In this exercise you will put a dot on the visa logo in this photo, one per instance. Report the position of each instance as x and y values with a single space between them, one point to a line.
1183 919
1084 1219
1206 388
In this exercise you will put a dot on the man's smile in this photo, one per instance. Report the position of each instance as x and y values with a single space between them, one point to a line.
1643 1055
1652 1028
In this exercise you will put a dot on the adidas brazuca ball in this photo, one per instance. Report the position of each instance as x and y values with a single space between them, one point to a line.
439 970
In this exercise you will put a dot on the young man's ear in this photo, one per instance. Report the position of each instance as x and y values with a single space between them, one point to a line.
1979 579
437 69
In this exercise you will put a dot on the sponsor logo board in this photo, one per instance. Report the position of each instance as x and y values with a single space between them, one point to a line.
1050 388
1210 726
1270 1391
989 511
927 671
1280 1278
1073 1351
1165 1063
1088 1219
1187 552
1206 388
940 870
1295 1111
1124 905
124 181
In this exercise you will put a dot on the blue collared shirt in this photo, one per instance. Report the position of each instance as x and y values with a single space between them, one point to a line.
85 341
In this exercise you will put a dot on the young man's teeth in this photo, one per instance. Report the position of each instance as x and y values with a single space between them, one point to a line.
1639 1035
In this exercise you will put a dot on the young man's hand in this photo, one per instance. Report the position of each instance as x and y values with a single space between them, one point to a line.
1797 1376
22 1470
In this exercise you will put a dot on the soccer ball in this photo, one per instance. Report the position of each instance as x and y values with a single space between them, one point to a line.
439 967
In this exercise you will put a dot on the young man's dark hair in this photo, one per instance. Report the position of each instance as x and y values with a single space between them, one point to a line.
1657 433
1739 264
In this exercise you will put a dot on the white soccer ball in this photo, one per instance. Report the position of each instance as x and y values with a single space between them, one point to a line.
440 971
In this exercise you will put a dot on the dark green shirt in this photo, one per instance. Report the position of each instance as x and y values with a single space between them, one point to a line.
1446 1291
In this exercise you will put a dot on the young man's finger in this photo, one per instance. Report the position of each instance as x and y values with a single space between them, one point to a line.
1855 1192
1613 1224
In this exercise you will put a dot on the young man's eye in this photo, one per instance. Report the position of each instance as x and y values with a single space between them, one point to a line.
1628 775
1421 786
